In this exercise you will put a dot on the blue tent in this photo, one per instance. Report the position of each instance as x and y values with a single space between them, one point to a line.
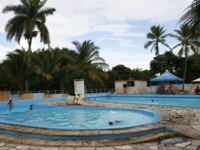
165 77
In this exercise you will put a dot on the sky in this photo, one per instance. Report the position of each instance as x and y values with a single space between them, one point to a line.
117 27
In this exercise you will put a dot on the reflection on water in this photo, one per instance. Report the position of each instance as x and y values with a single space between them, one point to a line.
78 117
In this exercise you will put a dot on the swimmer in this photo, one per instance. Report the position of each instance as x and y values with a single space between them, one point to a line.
31 107
10 104
115 122
152 100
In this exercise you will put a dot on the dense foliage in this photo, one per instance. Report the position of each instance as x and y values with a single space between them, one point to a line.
54 69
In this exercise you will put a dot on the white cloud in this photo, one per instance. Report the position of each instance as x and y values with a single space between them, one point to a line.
122 42
129 59
113 20
4 52
154 10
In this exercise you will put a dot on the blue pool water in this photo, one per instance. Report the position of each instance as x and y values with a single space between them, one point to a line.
192 101
73 117
81 118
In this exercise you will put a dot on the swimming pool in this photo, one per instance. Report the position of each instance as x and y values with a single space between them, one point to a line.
81 118
192 101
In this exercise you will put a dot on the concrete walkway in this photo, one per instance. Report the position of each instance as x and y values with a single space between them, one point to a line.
185 120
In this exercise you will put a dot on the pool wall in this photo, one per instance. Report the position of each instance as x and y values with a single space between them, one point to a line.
95 137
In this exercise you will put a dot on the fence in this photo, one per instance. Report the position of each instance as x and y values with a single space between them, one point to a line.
96 91
25 95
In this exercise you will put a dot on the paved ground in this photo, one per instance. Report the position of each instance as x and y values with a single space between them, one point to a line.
185 120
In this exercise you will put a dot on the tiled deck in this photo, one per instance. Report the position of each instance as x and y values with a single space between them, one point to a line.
185 120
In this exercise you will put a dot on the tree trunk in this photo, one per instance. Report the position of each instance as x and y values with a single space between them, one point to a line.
28 63
184 75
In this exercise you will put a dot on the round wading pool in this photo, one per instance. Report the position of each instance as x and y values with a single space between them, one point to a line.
81 118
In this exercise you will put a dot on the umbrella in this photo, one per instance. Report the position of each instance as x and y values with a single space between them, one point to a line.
196 80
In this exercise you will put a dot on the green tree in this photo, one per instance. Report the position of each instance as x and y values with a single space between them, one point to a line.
16 70
112 77
186 44
28 16
193 67
88 60
123 72
161 63
47 63
156 36
192 17
138 73
86 64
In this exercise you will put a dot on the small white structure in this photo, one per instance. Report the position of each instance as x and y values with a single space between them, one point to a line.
79 87
131 86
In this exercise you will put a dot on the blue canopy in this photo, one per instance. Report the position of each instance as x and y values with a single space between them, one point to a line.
166 76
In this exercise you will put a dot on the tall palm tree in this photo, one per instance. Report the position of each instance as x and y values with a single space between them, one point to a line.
28 16
192 17
156 36
186 44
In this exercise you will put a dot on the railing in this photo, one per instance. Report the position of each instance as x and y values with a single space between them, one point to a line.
22 95
25 95
96 91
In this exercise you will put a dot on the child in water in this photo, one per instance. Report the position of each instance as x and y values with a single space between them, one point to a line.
10 104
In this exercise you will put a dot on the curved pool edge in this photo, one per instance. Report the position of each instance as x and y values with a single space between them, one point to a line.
156 118
88 135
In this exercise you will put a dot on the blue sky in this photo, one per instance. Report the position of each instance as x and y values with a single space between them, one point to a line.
118 27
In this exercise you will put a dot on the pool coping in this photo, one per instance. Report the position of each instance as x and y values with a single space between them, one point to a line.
85 134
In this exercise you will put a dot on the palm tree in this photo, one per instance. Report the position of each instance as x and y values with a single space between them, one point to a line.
186 44
28 16
15 67
192 17
88 58
157 35
47 63
88 62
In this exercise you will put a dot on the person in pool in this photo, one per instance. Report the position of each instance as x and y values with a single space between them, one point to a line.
31 107
10 104
115 122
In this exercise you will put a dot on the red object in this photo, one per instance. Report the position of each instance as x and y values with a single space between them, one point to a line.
195 90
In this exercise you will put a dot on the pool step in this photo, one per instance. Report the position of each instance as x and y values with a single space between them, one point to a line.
63 143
